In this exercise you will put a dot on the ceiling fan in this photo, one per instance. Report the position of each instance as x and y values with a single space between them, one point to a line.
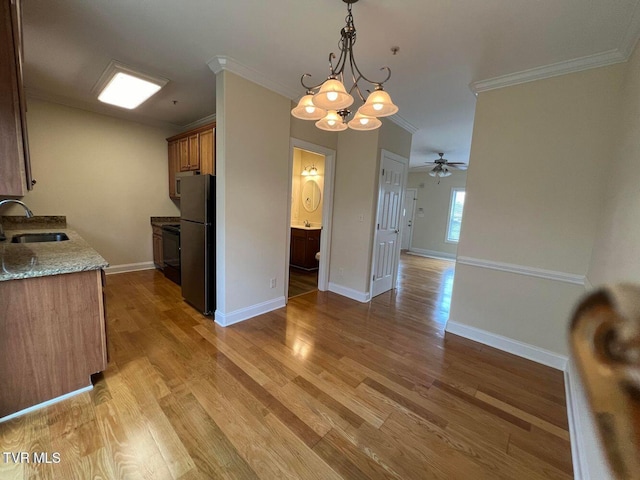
441 166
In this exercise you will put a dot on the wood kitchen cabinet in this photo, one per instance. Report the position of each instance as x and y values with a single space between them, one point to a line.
174 167
158 256
54 337
191 151
15 168
304 246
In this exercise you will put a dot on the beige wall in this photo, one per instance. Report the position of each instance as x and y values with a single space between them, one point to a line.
534 193
430 225
616 252
355 201
301 159
354 209
107 175
252 158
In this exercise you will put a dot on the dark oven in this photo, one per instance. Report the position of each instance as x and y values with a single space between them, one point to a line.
171 252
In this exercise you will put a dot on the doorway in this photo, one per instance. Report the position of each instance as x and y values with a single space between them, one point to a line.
387 239
310 204
408 216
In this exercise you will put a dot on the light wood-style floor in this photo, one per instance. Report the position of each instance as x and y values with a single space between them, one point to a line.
327 388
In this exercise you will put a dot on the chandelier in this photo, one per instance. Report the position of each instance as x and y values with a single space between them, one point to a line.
329 101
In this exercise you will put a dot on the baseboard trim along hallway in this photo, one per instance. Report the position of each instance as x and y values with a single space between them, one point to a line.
226 319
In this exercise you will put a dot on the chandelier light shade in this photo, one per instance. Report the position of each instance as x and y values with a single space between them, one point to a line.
378 104
306 110
332 97
364 122
332 122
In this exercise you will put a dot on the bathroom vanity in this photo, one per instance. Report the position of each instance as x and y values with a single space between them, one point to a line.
305 244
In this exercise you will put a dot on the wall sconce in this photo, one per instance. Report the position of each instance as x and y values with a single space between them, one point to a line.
310 170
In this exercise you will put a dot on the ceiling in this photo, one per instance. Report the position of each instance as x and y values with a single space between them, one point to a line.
444 47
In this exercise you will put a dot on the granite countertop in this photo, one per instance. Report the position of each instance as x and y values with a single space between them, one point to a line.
40 259
160 221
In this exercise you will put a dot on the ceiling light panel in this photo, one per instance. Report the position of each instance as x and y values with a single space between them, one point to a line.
125 87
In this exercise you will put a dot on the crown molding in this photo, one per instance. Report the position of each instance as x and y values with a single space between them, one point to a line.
401 122
203 121
221 62
561 68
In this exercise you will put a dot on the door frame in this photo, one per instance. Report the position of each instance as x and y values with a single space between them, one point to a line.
413 215
405 174
327 210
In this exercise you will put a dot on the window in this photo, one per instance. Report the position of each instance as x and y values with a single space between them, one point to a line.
455 215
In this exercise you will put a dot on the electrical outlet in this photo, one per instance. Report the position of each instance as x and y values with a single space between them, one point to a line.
272 283
341 272
361 217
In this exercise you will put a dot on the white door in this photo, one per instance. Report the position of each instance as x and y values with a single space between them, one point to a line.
410 197
386 250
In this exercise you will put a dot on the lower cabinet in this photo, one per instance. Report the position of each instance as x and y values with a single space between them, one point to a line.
54 337
157 247
305 244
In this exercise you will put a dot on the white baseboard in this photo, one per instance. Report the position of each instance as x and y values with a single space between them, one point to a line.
521 349
588 459
129 267
432 253
47 403
362 297
226 319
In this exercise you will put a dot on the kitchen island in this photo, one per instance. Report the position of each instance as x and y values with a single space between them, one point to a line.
52 316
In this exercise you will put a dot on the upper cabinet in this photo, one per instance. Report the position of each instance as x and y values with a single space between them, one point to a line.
191 151
15 168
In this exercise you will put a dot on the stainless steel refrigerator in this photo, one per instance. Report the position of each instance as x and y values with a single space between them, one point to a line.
197 241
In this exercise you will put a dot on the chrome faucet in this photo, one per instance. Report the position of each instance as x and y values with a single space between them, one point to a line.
28 213
306 223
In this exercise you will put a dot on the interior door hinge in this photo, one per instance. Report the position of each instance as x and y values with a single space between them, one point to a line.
378 227
383 172
373 277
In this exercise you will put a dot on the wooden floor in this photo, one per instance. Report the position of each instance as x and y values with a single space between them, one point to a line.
301 281
327 388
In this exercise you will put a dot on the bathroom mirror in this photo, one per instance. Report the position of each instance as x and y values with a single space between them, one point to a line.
311 195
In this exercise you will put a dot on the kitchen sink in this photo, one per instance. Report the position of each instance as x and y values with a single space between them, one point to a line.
39 237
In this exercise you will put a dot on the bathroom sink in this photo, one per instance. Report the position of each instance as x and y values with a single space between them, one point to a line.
39 237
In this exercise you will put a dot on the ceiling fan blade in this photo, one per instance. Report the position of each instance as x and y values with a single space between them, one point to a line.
456 163
458 167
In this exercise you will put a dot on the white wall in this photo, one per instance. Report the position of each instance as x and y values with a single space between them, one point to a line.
252 161
430 226
107 175
534 193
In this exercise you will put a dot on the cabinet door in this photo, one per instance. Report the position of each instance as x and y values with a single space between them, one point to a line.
15 170
183 154
298 247
207 152
157 252
174 167
194 152
313 247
